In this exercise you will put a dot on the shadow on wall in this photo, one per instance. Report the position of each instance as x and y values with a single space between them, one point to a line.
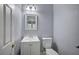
18 46
41 46
54 46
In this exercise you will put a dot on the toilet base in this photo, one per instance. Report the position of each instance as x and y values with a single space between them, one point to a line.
51 52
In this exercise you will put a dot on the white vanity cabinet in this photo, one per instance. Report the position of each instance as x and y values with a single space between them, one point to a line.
30 46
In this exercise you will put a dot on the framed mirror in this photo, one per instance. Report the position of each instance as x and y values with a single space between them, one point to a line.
30 22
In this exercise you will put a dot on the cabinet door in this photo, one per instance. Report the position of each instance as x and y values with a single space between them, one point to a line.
35 48
25 48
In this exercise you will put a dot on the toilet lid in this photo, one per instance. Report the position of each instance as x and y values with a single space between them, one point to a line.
51 52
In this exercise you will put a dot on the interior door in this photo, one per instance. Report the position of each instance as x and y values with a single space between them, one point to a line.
6 48
8 28
7 24
1 27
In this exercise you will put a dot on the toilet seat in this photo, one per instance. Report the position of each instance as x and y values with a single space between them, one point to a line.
51 52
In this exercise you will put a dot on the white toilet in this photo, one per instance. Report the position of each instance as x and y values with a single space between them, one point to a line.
47 42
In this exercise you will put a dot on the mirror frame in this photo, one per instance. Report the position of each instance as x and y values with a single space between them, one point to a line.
26 24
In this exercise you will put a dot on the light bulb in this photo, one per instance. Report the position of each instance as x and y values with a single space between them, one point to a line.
27 8
33 8
30 8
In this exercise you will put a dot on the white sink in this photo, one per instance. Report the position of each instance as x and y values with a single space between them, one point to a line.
30 38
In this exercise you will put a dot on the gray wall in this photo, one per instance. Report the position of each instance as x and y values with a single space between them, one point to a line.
45 28
66 28
17 26
16 22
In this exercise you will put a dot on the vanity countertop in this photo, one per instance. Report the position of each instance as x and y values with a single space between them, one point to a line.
30 39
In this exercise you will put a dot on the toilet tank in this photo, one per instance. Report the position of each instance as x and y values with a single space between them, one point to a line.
47 42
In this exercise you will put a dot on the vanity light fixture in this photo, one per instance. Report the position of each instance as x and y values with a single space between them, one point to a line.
30 7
